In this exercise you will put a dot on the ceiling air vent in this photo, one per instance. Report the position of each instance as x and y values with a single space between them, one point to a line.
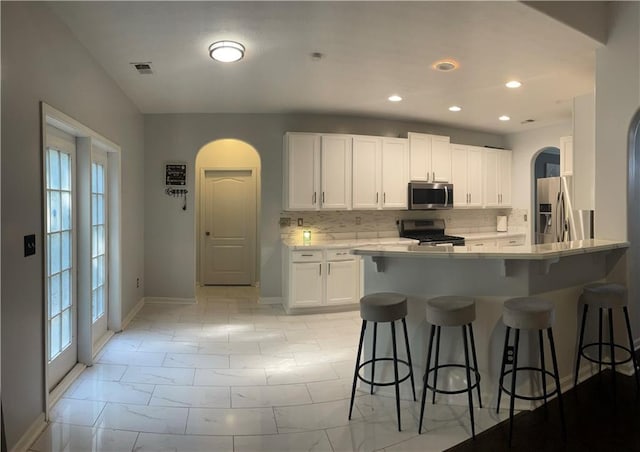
143 68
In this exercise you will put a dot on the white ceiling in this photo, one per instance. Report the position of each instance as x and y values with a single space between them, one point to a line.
372 50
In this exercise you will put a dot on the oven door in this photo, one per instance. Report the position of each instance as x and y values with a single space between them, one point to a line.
424 196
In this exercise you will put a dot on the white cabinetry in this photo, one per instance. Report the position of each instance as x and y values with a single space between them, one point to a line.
367 172
429 158
566 156
466 175
335 171
497 178
317 278
395 172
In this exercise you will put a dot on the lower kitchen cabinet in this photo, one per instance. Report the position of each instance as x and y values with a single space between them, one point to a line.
320 279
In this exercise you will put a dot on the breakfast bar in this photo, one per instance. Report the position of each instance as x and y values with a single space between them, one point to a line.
554 271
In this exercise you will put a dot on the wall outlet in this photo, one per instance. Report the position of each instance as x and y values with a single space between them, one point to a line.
358 220
137 282
285 222
29 245
300 222
510 353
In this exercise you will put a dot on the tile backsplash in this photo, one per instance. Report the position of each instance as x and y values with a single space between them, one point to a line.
382 223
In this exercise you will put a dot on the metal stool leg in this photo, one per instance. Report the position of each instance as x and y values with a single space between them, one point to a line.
468 368
355 373
406 341
613 351
581 341
599 340
424 379
475 360
631 347
373 356
435 372
504 363
513 385
556 375
395 371
543 371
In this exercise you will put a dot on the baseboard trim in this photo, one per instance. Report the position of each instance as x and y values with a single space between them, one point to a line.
170 300
57 392
132 313
270 300
31 435
99 345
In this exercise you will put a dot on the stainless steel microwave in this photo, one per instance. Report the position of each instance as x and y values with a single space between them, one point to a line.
424 195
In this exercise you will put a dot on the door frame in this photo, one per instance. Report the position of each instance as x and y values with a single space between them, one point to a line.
255 174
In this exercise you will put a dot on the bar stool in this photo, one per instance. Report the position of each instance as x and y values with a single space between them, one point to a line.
606 296
387 308
529 313
451 311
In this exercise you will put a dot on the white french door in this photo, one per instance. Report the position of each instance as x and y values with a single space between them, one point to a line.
99 246
60 284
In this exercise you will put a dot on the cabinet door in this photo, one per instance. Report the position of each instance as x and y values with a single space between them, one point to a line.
505 178
302 176
491 178
366 172
342 282
440 159
306 284
395 170
566 156
419 157
336 172
474 176
459 175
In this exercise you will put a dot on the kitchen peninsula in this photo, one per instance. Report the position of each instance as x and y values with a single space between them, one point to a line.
555 271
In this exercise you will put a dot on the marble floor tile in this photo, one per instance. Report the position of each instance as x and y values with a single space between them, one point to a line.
158 375
257 336
316 441
191 396
269 396
104 372
327 391
150 419
77 412
132 358
314 417
262 361
239 421
196 361
154 442
299 374
325 356
228 377
110 391
71 438
169 346
228 348
272 348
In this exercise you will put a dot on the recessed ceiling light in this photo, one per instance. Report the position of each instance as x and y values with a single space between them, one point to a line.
504 118
445 65
513 84
226 51
395 98
455 108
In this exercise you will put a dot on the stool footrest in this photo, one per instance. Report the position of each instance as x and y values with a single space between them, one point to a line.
525 397
608 347
451 391
400 380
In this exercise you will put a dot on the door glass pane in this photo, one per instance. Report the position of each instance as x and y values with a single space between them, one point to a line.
65 289
54 170
65 210
55 336
65 250
65 172
54 253
54 211
54 294
66 328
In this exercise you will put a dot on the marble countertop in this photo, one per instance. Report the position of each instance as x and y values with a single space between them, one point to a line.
522 252
488 235
347 243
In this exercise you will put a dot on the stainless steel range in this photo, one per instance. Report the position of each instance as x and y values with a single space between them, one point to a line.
428 232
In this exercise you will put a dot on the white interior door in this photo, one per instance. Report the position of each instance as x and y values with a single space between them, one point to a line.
60 240
99 246
228 227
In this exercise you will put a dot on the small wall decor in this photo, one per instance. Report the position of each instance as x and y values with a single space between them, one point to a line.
175 175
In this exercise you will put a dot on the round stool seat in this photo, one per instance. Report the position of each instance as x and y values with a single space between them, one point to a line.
383 307
605 295
528 313
451 311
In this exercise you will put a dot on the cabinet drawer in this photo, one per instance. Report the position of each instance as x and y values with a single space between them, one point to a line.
480 243
339 255
511 241
306 256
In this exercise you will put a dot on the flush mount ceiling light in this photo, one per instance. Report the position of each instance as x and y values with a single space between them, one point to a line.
455 108
513 84
226 51
504 118
395 98
445 65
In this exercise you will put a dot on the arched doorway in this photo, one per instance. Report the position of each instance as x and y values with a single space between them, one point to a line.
227 213
544 163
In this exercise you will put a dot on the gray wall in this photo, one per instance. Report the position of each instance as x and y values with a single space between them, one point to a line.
41 60
170 256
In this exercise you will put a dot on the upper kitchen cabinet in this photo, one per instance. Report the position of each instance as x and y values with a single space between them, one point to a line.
395 173
497 178
367 172
301 171
429 158
466 175
317 171
566 156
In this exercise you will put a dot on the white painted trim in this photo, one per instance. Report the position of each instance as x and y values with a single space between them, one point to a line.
100 343
170 300
132 314
57 392
270 300
31 435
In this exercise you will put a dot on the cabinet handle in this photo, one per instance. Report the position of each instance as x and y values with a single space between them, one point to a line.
314 198
384 197
427 176
433 179
377 197
320 269
512 241
322 197
307 255
329 272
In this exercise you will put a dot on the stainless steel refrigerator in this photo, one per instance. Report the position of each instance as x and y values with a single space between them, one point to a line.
556 221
